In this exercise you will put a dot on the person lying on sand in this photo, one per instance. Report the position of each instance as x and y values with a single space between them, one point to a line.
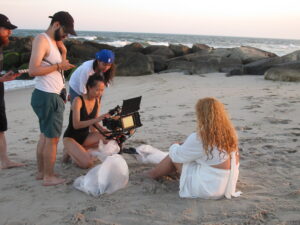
208 160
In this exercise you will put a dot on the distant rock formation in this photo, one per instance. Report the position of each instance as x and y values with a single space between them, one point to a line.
135 59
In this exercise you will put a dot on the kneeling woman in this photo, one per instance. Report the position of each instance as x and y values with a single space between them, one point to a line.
84 113
208 160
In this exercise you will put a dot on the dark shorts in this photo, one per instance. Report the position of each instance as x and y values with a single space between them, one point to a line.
49 108
73 94
3 120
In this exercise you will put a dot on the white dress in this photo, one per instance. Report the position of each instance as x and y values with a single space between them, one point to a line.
198 178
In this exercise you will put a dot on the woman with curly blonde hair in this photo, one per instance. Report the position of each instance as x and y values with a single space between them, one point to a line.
208 161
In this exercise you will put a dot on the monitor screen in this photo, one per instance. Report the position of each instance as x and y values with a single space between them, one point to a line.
131 105
127 122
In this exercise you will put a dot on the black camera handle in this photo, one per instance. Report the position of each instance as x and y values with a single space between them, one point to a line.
100 131
104 134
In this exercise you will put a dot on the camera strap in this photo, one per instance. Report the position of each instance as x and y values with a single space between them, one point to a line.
60 71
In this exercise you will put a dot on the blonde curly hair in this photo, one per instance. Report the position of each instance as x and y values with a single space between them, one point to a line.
214 127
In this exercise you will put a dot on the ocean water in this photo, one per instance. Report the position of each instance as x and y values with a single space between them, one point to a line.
118 39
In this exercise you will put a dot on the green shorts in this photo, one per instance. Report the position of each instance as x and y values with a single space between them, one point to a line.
49 108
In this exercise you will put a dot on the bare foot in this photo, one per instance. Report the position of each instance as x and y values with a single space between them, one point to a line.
11 164
40 176
51 181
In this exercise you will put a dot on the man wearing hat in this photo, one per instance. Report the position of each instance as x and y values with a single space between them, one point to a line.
47 62
5 31
102 64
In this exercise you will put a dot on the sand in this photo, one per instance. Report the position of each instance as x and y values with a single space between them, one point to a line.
265 114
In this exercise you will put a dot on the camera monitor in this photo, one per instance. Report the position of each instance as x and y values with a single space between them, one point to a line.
127 122
131 105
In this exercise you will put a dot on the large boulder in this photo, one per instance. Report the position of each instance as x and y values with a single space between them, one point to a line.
261 66
158 50
99 46
250 54
180 50
180 65
200 64
133 64
71 41
20 44
160 63
133 47
25 57
291 57
11 60
80 52
200 47
211 63
284 72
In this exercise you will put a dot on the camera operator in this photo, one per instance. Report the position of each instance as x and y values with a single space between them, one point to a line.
84 113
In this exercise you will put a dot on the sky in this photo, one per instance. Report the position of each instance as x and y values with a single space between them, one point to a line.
251 18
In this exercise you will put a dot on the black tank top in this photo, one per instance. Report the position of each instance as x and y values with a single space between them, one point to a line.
81 134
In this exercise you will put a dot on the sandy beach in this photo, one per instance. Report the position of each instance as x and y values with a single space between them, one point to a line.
265 114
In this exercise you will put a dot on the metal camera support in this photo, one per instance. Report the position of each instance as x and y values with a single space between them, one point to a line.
124 121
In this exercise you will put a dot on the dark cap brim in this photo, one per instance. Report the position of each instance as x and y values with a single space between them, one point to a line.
10 26
70 30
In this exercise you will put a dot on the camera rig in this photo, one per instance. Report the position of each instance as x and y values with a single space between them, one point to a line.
124 121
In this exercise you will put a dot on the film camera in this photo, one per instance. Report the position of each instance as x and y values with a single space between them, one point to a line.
124 120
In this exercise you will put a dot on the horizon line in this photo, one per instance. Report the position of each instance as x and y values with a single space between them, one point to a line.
205 35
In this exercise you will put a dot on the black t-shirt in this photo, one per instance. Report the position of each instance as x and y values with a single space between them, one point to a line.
1 83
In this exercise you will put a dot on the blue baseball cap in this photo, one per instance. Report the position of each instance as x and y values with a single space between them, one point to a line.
105 55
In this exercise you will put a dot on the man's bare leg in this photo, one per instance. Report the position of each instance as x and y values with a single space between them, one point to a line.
6 163
40 157
49 161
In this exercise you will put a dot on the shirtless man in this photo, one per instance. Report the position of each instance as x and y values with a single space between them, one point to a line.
48 60
5 31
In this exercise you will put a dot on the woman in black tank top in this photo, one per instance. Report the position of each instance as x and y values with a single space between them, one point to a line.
84 113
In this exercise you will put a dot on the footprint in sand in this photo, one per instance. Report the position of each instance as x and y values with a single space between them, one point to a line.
31 142
294 101
189 114
277 121
267 147
283 105
244 128
252 107
165 117
291 151
248 97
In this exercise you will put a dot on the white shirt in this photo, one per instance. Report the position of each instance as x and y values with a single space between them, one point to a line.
52 82
80 76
